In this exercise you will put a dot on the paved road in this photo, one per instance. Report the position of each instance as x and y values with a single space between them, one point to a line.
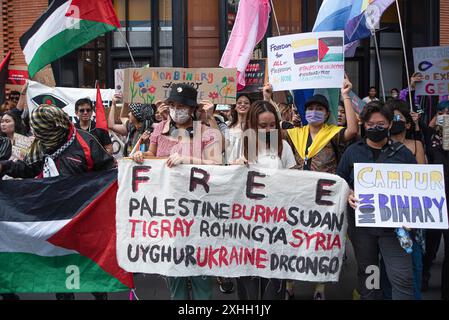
153 287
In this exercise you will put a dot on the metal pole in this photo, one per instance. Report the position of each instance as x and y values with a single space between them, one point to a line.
405 57
373 33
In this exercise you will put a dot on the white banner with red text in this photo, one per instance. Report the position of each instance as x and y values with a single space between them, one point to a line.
230 221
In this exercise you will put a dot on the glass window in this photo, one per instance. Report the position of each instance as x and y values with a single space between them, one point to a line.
139 23
166 57
165 23
233 6
119 36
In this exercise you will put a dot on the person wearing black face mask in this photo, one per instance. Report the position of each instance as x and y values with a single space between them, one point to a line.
402 124
368 243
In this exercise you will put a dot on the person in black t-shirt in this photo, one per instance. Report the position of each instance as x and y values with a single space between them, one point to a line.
368 242
84 110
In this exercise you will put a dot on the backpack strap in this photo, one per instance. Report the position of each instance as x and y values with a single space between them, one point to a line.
390 151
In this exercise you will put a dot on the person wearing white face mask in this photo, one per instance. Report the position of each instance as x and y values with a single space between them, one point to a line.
174 137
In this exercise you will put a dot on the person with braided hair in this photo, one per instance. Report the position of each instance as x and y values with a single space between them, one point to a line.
59 149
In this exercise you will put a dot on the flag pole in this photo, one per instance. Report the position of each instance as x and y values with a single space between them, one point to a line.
379 63
129 49
405 57
275 18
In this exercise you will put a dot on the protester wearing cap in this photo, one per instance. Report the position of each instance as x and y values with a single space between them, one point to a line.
174 138
137 128
436 154
316 145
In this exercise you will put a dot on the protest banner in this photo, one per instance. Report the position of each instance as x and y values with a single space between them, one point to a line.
306 61
256 75
357 103
148 85
230 221
392 196
21 146
64 98
433 64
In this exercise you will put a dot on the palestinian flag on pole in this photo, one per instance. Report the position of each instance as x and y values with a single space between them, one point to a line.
58 235
64 27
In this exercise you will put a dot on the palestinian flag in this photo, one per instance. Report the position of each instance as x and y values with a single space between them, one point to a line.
64 27
4 76
58 235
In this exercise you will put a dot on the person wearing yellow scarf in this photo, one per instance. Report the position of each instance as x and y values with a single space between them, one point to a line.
310 140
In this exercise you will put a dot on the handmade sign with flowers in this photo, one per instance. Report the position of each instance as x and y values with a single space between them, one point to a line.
146 85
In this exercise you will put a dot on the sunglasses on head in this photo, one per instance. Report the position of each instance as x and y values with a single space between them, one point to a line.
85 110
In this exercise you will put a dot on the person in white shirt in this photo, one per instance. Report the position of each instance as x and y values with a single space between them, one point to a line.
264 147
234 148
371 95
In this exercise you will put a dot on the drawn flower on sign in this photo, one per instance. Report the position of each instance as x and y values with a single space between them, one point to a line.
147 81
213 95
152 89
137 77
231 79
141 84
143 90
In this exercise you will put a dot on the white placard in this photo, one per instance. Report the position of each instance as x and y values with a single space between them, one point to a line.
306 61
394 196
433 64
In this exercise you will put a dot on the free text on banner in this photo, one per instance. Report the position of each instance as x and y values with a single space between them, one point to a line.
230 221
306 60
433 64
148 85
392 196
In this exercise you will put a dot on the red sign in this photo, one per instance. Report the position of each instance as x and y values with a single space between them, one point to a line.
17 76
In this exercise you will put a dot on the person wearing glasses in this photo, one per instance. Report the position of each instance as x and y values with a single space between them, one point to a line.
14 97
84 111
368 243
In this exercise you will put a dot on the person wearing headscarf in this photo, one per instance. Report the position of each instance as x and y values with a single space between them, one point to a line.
137 129
58 149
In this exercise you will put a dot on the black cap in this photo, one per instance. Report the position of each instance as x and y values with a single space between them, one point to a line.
318 99
183 94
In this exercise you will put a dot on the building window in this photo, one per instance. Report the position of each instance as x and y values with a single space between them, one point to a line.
92 63
139 19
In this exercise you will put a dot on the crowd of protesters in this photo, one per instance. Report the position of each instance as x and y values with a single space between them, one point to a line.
391 132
